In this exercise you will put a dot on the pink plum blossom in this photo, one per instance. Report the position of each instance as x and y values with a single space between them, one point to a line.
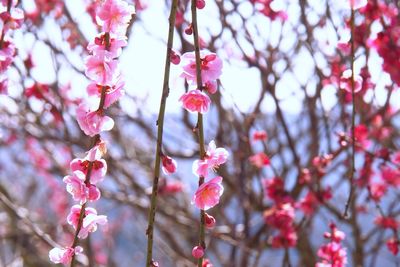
64 255
79 190
114 16
98 169
101 69
93 122
90 220
195 101
208 194
211 66
112 93
116 42
213 159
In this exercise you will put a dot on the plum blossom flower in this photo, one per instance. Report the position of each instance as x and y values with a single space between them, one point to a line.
101 69
64 255
98 169
112 93
79 190
114 16
195 101
211 66
93 122
90 220
99 45
169 165
213 159
211 87
208 194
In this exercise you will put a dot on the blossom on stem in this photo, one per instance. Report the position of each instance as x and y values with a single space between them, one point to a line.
64 255
169 165
213 159
211 67
114 16
90 220
208 194
93 122
195 101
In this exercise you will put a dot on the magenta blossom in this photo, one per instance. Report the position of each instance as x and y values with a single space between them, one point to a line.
208 194
195 101
64 255
211 66
93 122
114 16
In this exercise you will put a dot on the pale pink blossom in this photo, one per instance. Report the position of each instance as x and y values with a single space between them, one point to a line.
211 67
99 45
101 69
112 93
79 190
93 122
98 169
345 82
195 101
215 156
169 165
208 194
90 220
114 16
64 255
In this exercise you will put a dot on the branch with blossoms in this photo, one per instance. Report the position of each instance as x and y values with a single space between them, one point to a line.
105 88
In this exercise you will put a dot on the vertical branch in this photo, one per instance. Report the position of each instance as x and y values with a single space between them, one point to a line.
353 117
200 127
160 123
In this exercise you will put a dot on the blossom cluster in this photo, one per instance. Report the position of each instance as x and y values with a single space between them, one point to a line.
106 87
332 254
11 18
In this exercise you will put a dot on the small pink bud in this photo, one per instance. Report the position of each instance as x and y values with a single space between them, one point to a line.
175 58
198 252
169 165
200 4
209 221
189 30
